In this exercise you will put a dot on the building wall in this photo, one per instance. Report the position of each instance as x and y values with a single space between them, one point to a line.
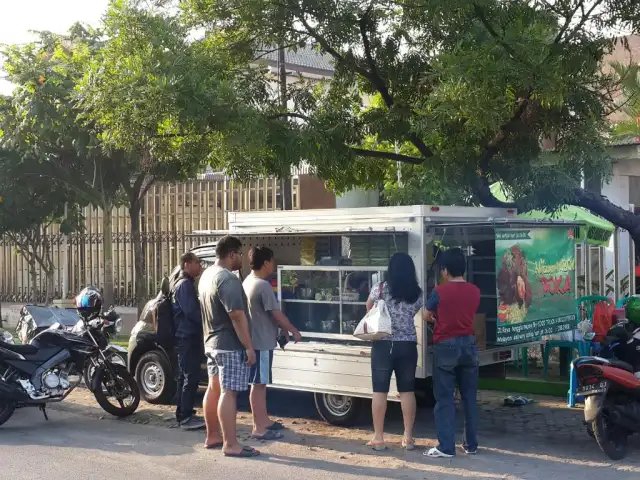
314 194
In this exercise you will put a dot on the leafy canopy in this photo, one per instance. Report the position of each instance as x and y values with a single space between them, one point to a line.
466 88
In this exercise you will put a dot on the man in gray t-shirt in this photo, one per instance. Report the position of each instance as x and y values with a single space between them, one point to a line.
228 345
266 317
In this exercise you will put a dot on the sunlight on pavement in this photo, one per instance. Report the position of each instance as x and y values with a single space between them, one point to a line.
566 461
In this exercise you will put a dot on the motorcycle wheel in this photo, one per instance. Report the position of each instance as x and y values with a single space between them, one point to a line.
122 388
90 370
6 410
611 439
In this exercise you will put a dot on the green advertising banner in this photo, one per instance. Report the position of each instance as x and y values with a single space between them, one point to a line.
535 276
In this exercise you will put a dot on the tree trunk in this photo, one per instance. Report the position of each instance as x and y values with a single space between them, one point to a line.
619 216
48 299
285 182
107 244
138 256
33 275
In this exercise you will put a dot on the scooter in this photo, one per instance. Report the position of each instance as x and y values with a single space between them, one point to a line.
612 390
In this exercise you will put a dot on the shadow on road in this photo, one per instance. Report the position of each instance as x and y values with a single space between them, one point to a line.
548 440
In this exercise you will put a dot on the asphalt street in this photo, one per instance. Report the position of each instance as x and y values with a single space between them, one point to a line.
73 446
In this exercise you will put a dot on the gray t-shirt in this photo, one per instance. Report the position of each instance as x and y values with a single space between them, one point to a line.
262 301
220 293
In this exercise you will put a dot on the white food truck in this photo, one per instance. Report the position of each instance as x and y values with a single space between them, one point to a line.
329 259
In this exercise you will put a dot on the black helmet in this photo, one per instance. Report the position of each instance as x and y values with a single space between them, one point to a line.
89 302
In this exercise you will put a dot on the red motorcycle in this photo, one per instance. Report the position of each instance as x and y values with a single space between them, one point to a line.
612 390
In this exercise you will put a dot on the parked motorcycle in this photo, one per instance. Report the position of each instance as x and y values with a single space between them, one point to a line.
612 390
101 329
35 319
43 372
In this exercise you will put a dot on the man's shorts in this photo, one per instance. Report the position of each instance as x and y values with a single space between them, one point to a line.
232 368
261 370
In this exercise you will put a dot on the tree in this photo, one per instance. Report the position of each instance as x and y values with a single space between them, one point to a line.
159 96
41 124
30 205
467 88
628 129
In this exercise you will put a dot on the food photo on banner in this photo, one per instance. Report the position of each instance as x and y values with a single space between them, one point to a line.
535 276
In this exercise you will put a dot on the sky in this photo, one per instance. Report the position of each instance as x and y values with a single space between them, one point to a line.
18 17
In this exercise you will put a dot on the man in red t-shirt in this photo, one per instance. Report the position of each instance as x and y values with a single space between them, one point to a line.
453 306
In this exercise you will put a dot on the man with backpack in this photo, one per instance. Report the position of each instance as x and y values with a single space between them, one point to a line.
189 340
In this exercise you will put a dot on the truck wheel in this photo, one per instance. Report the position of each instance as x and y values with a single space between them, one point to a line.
425 397
340 410
155 378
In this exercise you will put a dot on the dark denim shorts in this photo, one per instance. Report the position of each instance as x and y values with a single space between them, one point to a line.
389 357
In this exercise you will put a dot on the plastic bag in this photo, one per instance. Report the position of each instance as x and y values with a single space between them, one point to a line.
376 324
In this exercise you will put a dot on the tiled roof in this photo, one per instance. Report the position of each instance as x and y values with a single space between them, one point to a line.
305 57
625 142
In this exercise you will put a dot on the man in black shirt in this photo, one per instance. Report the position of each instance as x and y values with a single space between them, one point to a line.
189 340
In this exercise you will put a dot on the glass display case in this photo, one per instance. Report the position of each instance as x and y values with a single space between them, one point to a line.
326 302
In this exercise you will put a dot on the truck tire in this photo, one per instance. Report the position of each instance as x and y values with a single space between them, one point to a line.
425 397
339 410
155 378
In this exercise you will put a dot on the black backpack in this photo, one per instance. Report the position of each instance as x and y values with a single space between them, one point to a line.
166 328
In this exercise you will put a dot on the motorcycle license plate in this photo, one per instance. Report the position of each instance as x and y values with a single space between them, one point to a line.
593 388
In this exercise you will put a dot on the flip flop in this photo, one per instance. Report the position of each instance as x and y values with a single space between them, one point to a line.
377 447
246 452
213 446
275 426
408 446
269 435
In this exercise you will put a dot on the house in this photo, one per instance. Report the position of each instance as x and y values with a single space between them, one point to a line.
624 187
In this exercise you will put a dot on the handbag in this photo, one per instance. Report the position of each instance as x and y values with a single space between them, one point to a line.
376 324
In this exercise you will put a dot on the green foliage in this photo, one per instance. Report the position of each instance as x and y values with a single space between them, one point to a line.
470 86
40 120
628 129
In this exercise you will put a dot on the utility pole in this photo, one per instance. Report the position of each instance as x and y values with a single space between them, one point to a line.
285 182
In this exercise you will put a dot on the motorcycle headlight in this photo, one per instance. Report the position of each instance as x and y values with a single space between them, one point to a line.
118 326
7 337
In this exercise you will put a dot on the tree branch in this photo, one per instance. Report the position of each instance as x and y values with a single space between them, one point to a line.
387 155
493 146
602 206
374 77
267 52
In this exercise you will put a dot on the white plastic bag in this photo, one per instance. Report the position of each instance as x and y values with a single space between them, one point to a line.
376 324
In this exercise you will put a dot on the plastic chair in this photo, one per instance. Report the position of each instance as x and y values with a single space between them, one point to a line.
584 310
622 302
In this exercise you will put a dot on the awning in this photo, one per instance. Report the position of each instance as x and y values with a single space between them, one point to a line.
596 230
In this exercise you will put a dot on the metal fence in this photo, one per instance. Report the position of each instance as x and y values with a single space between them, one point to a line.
170 213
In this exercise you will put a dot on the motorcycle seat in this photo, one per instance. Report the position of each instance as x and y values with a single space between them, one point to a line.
622 365
26 349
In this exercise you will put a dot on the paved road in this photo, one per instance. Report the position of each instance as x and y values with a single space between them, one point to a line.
80 446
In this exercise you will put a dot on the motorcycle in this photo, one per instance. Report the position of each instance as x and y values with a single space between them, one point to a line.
43 371
612 390
101 329
35 319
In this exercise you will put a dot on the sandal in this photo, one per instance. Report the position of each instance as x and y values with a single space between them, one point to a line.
408 445
246 452
435 453
213 446
275 426
378 447
268 435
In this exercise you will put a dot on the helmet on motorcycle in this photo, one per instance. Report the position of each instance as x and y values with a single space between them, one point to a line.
632 310
89 302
